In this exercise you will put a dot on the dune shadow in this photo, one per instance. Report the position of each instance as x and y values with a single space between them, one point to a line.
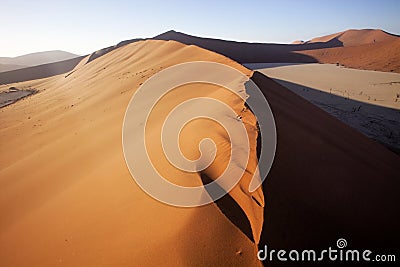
327 181
334 42
255 66
276 191
244 52
230 209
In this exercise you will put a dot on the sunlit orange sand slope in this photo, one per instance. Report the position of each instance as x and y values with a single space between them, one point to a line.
66 196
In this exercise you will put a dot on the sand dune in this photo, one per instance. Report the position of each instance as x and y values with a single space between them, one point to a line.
356 37
359 49
384 56
325 38
298 42
66 196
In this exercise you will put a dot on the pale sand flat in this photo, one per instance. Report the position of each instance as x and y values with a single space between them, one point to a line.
366 100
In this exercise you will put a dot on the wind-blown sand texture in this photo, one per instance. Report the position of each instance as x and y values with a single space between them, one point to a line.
66 196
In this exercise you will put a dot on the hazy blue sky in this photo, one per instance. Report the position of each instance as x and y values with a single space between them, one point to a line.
84 26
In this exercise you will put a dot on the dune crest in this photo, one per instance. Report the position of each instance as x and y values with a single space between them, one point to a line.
62 166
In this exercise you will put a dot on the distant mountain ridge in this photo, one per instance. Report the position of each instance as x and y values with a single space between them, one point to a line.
38 58
9 67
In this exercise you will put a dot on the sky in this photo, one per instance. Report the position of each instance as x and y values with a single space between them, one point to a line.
82 27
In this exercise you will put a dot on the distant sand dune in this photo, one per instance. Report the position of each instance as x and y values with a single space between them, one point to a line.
383 56
357 37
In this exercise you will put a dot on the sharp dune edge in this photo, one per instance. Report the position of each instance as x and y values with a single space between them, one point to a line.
65 188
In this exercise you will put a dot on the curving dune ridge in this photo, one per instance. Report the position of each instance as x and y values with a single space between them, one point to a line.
66 192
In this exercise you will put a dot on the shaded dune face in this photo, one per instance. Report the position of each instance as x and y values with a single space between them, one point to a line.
328 181
64 183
